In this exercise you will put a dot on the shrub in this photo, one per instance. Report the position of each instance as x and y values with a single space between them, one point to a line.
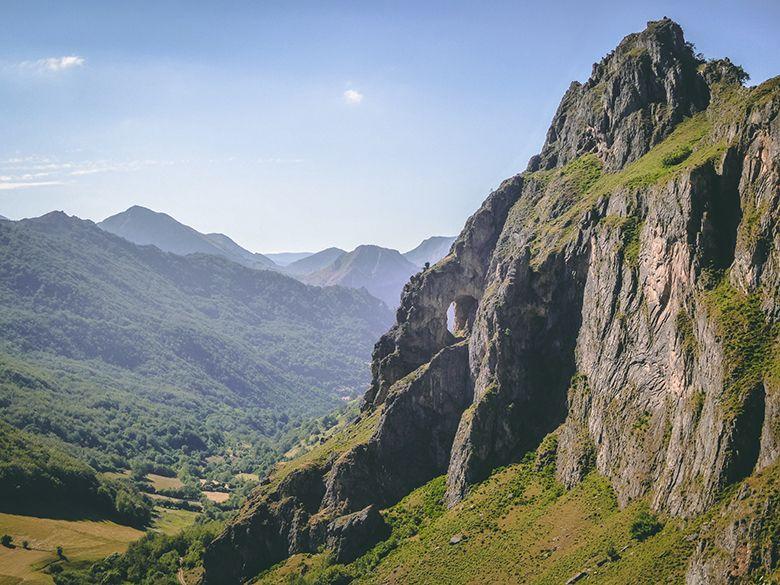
645 525
676 156
6 540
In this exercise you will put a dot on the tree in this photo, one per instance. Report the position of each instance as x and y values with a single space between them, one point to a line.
7 540
644 525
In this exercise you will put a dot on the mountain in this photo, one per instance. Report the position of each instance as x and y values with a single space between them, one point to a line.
145 227
131 355
381 271
2 217
287 258
430 250
608 406
315 262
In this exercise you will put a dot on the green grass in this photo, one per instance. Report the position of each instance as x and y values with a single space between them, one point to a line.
344 438
566 194
520 525
687 334
170 521
747 340
82 541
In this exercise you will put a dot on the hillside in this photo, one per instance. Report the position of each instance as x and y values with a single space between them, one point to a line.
287 258
430 250
129 355
314 262
146 227
608 406
381 271
37 477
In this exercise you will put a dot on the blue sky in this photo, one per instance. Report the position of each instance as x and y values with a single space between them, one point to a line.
301 125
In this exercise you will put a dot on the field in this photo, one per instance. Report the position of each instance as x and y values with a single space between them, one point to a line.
160 482
81 541
217 497
172 521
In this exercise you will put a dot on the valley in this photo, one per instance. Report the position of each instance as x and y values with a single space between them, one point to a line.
582 386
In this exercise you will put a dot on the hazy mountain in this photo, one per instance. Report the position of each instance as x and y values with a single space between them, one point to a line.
314 262
2 217
287 258
431 250
146 227
131 353
381 271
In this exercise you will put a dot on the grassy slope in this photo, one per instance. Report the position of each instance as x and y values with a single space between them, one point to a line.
83 541
520 525
130 354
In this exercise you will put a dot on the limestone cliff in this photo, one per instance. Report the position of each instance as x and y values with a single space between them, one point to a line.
623 290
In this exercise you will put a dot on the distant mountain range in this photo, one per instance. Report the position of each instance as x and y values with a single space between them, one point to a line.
192 350
381 271
145 227
431 250
287 258
315 262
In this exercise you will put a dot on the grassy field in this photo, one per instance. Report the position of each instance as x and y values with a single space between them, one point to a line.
82 541
172 521
217 497
160 482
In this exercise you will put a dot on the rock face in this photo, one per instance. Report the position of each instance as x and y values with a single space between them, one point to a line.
622 291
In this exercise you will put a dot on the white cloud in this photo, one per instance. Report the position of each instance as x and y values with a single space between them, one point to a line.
12 186
353 97
55 64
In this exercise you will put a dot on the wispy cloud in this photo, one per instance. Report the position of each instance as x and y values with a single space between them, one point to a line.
28 171
10 186
54 64
107 166
353 97
279 161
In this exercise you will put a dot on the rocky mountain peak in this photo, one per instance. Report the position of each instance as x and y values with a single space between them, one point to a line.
633 99
619 298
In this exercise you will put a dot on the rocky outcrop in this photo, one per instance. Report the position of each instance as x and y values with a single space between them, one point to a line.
351 535
632 101
623 290
742 539
334 503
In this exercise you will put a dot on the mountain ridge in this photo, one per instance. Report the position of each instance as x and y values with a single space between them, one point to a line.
200 349
430 250
381 271
615 312
144 226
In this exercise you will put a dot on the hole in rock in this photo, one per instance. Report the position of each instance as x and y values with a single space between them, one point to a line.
460 315
451 318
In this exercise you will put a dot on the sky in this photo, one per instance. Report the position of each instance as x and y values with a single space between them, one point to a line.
295 126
